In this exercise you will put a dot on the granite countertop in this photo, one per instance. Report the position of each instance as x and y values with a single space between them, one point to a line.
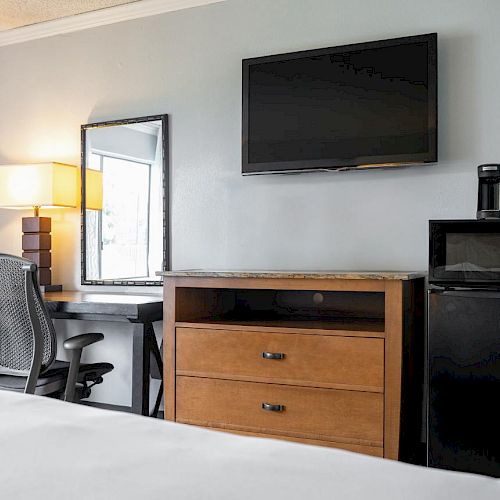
339 275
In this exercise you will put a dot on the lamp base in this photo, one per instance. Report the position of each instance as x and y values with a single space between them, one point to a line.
37 244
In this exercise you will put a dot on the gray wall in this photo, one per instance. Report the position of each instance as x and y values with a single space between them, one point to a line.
188 64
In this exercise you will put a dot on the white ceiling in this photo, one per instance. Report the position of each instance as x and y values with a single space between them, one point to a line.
18 13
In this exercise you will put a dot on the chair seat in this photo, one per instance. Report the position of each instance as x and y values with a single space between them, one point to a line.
54 379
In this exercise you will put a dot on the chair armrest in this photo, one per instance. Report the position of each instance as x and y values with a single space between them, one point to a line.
81 341
75 346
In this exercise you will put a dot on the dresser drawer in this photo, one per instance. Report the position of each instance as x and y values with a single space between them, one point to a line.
349 416
312 360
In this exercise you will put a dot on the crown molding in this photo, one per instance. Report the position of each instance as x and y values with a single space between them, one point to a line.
145 127
102 17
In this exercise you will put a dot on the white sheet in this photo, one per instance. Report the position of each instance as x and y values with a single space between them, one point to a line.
55 450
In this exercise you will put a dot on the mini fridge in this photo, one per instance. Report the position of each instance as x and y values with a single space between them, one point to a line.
464 381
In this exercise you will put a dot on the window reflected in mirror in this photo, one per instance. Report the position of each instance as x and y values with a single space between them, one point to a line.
124 202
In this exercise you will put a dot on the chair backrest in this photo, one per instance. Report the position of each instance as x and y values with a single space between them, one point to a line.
27 335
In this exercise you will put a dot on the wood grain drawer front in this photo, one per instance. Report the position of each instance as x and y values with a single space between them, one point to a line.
348 416
314 360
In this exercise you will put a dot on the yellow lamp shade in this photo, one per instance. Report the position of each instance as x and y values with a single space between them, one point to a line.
93 189
38 185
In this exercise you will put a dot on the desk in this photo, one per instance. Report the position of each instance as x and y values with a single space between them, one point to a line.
139 309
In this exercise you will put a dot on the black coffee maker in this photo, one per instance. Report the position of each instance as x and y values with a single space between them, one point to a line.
488 195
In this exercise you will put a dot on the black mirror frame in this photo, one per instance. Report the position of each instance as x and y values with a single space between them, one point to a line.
166 200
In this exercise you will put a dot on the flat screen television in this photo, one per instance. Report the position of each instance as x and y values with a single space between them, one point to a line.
354 106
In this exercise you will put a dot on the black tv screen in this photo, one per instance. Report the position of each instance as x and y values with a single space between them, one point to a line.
369 104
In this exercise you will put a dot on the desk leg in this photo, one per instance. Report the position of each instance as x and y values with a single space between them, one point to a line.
144 350
140 370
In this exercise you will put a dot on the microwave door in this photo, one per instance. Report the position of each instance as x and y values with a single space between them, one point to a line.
465 253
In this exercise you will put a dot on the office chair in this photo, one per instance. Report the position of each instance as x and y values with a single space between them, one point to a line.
28 341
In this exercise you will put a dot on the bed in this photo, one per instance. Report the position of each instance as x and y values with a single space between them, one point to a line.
56 450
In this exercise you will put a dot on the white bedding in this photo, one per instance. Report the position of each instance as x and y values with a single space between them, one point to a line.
55 450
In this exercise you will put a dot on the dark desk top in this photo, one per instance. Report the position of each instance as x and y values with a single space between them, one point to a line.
137 308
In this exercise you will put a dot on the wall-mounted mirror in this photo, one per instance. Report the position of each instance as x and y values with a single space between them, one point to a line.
125 230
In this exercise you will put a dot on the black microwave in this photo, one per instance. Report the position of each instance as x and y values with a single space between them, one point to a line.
464 253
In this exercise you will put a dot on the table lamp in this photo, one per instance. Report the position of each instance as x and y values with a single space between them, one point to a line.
36 186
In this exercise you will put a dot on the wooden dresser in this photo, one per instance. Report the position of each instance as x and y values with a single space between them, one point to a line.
334 359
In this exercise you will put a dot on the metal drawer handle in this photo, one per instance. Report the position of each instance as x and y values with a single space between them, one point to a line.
273 355
270 407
